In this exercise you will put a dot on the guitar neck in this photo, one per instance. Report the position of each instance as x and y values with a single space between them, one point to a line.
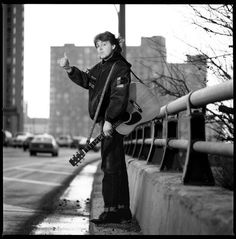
99 138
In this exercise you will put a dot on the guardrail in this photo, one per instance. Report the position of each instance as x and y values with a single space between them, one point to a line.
146 141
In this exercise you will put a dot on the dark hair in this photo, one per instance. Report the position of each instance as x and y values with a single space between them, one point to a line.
108 36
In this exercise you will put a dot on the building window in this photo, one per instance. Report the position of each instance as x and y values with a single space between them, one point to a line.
80 62
9 9
58 96
86 50
8 54
66 96
14 61
13 79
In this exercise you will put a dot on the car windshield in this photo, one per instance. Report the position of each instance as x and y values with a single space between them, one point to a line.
42 139
64 137
20 134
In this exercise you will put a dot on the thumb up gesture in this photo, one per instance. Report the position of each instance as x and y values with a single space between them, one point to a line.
64 63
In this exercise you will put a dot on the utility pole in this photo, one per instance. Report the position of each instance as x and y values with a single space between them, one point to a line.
121 27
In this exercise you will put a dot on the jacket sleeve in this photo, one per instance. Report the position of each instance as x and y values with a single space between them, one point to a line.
119 95
79 77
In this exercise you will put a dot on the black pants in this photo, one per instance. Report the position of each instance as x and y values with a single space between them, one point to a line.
115 188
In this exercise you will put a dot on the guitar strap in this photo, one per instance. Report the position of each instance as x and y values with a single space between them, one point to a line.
138 78
102 96
133 72
100 102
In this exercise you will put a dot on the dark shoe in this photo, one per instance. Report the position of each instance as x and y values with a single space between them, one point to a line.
106 217
124 214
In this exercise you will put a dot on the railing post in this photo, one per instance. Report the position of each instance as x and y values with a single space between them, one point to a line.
153 138
156 152
170 157
133 136
197 170
135 144
138 145
128 143
141 144
145 148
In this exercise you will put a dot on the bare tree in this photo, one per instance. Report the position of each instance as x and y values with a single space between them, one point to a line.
168 79
217 63
217 20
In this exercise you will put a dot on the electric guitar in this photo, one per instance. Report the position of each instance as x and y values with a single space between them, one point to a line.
142 106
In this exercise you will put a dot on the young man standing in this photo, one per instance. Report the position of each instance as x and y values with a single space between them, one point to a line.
115 188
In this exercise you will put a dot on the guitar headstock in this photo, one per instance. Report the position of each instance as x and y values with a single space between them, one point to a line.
77 158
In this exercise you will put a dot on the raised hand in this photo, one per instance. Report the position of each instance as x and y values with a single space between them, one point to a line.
64 62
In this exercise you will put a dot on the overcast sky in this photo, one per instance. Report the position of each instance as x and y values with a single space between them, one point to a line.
49 25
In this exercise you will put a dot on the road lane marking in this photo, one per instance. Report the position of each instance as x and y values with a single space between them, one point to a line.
42 171
12 208
25 165
31 181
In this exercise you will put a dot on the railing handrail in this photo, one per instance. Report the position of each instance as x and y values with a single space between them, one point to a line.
207 95
223 149
196 169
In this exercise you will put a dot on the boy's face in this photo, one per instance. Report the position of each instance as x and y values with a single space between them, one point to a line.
104 48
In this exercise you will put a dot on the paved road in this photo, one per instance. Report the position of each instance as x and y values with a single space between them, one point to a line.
31 186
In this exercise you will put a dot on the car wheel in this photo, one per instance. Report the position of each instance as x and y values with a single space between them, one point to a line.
32 153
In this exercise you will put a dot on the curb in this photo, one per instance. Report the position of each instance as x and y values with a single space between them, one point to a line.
96 208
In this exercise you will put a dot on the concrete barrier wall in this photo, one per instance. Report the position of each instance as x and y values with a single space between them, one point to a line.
164 206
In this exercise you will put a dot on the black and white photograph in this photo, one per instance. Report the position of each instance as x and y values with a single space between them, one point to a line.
117 119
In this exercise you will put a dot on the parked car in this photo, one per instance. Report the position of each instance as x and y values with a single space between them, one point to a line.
75 141
19 138
64 140
44 143
27 141
7 138
83 142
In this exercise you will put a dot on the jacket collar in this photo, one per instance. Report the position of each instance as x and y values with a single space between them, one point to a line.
114 56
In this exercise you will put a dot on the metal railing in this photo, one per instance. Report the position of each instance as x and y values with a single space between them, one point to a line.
146 141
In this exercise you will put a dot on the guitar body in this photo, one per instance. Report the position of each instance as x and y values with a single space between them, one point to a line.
143 106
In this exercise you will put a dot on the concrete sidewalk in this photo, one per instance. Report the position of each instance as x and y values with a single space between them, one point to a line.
71 210
96 208
81 201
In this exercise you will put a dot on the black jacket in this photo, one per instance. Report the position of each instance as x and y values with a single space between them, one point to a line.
116 97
